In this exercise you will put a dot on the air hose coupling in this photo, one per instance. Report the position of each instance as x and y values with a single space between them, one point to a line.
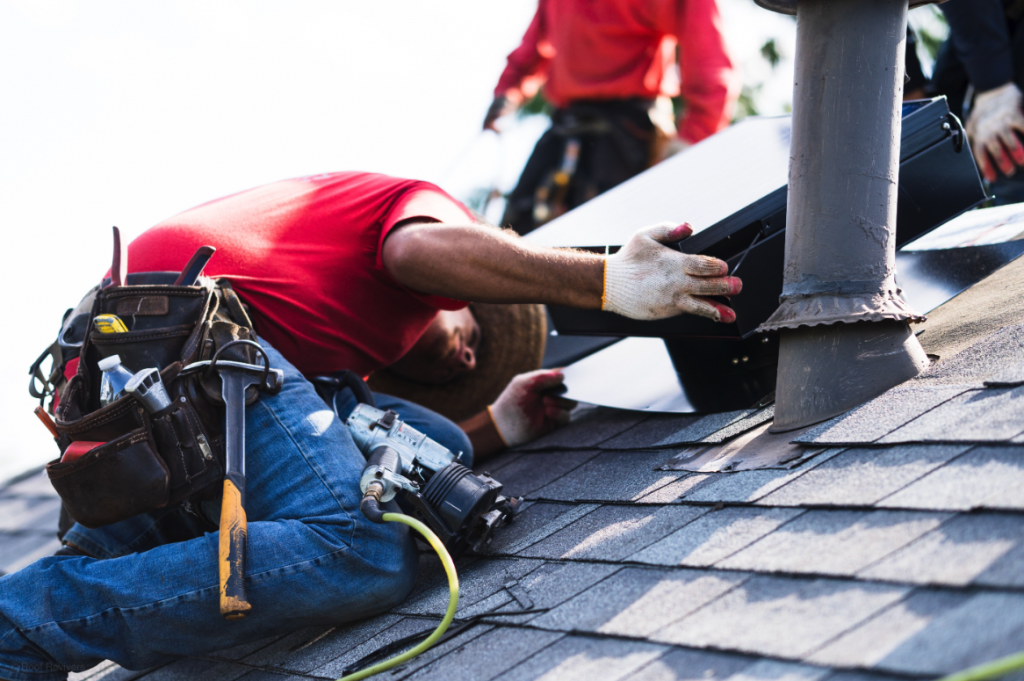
370 505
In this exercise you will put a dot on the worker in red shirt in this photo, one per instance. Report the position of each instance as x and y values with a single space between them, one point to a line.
608 68
339 271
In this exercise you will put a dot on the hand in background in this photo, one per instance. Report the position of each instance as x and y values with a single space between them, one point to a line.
501 106
994 120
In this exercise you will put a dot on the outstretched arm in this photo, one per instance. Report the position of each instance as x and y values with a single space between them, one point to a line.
645 280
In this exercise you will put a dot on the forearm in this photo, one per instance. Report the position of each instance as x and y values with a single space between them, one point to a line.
488 265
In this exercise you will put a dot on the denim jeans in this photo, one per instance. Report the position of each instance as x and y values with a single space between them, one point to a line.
151 594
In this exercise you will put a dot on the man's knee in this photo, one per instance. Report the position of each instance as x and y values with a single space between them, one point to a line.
391 563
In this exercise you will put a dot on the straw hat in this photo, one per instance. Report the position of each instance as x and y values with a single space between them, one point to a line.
511 342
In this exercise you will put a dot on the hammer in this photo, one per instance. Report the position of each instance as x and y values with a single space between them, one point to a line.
235 378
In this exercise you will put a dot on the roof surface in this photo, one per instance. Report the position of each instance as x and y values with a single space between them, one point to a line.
889 546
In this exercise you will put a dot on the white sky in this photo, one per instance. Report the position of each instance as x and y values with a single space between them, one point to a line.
119 112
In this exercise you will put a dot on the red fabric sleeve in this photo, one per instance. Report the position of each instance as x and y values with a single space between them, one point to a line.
431 204
526 69
710 84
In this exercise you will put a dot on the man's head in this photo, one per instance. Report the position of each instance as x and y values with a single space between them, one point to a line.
478 351
446 350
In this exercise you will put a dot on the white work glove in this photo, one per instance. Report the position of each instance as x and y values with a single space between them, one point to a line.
995 117
525 410
648 280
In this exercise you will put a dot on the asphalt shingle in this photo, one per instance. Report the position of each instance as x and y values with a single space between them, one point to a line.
29 513
773 670
549 586
21 550
478 582
611 476
882 415
589 428
987 415
308 649
614 532
933 632
576 658
984 477
780 617
636 602
862 477
532 471
833 542
408 626
749 486
488 656
537 521
986 360
717 427
714 536
755 449
652 430
681 664
982 548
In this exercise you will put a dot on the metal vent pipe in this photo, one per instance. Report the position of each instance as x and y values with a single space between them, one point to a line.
844 326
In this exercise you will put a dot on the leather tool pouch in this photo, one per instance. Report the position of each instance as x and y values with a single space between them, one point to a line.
150 460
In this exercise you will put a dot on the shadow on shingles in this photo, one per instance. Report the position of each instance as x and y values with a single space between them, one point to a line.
590 427
982 548
533 470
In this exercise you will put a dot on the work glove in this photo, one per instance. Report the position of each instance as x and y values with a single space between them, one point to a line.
995 118
647 279
501 106
530 406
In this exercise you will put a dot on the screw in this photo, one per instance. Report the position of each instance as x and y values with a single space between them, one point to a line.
182 399
947 127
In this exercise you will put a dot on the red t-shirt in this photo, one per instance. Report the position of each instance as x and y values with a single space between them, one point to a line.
617 49
305 255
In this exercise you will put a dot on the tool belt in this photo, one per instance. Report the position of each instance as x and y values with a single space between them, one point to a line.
148 460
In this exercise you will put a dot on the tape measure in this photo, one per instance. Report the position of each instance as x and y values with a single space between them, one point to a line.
109 323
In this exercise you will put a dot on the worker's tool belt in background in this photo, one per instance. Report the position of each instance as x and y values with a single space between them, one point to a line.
149 460
591 147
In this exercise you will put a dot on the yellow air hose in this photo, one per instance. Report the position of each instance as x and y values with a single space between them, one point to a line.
989 670
449 615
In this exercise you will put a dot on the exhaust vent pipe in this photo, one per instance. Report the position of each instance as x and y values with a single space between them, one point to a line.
844 326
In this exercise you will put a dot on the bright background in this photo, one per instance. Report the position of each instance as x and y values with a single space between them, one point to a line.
119 112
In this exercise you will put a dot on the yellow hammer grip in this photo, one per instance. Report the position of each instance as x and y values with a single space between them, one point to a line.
234 605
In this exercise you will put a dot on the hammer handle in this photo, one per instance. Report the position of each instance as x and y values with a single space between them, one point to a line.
234 604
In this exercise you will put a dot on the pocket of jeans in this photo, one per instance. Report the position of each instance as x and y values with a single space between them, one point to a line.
114 481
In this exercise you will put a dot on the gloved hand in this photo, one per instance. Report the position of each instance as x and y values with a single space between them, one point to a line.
523 412
501 106
995 116
648 280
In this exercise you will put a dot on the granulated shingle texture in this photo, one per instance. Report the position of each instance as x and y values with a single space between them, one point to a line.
834 542
987 415
882 415
897 554
862 477
715 536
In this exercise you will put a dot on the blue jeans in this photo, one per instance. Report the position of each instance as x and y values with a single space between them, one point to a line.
152 593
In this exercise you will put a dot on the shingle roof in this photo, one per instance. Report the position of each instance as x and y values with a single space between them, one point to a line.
891 548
